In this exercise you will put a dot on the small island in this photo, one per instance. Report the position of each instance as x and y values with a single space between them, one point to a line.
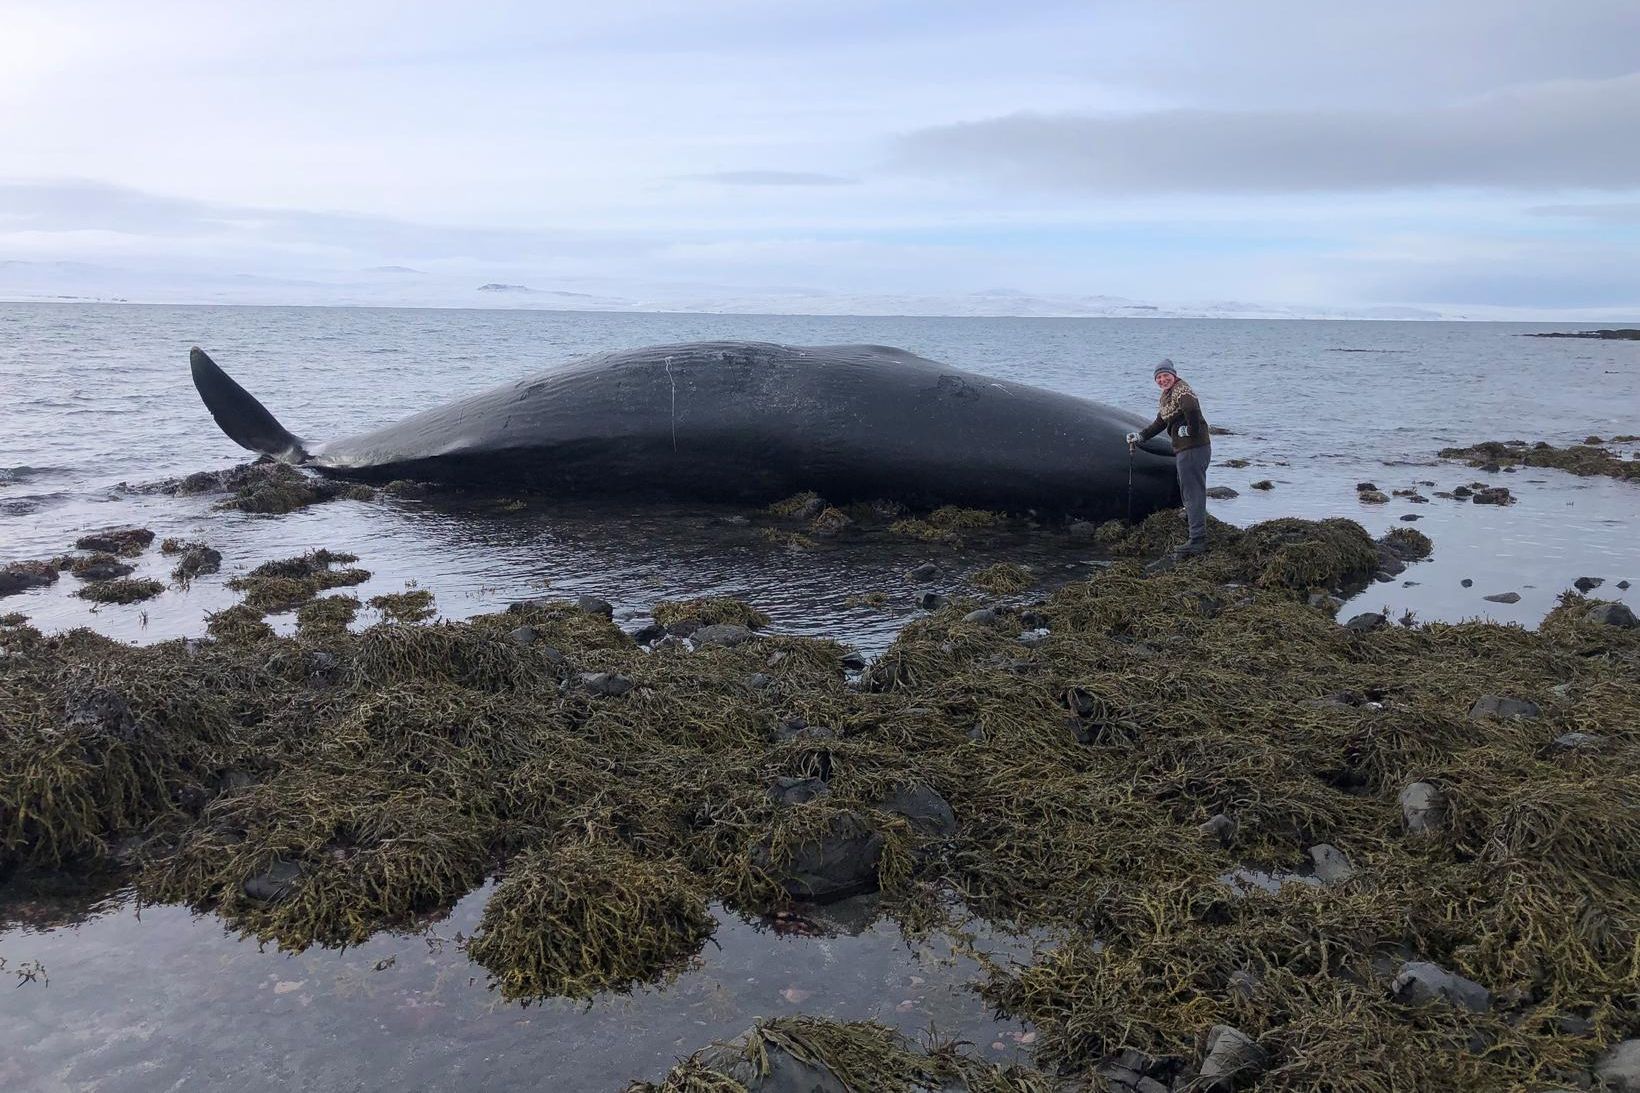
1623 334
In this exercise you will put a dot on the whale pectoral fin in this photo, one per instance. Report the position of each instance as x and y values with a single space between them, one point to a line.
246 421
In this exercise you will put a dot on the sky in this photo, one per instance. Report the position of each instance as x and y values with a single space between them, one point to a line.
1466 156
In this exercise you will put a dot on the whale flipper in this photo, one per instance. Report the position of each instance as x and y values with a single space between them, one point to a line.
246 421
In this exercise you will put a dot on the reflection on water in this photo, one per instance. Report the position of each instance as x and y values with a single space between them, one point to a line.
166 999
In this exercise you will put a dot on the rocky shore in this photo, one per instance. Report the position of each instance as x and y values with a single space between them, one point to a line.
1275 851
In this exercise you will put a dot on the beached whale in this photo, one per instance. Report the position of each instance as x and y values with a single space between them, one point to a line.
753 422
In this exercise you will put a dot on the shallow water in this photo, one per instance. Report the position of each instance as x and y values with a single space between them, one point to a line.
97 395
169 1000
100 394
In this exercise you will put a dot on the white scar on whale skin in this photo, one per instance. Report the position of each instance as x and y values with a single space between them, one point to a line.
674 383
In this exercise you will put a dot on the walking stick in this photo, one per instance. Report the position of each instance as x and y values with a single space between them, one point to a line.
1130 485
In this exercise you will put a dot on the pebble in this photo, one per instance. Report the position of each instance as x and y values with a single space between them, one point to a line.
1232 1057
1331 866
1419 982
1467 583
1421 805
1503 597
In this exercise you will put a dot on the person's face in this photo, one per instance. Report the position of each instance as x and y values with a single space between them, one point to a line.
1164 380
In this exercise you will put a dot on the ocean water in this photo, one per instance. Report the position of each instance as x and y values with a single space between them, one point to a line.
98 395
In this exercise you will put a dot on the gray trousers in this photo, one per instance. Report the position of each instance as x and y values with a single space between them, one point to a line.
1192 466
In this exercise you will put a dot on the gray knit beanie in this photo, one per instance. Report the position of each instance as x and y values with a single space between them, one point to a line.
1166 366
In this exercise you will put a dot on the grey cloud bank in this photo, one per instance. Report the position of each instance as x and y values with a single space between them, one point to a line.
1577 134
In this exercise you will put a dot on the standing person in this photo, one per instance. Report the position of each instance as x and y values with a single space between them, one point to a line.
1180 413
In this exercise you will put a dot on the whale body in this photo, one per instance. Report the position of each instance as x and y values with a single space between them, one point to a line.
749 422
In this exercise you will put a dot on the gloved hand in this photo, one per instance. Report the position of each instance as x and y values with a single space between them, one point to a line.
1132 439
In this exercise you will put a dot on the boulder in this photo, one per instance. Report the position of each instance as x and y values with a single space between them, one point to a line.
1422 805
1579 742
1588 584
1365 487
1496 495
925 572
1503 707
104 568
1462 493
605 684
649 633
1221 493
1612 614
116 540
1419 983
1264 484
100 711
23 576
1233 1058
838 861
1373 497
1503 597
928 812
796 791
1619 1068
758 1065
274 883
726 634
1624 585
985 616
1331 866
592 605
1366 621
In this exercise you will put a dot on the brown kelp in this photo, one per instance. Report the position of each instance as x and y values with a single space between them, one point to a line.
1579 459
1230 809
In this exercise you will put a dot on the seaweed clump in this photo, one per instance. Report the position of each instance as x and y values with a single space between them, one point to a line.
581 919
286 584
709 611
121 590
948 524
1002 579
267 487
1169 737
1584 460
194 559
411 606
327 617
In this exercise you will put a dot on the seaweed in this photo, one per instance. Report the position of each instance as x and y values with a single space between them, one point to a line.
1002 578
411 606
285 584
121 590
709 610
1584 460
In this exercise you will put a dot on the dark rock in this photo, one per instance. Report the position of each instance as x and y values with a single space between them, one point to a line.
811 508
1389 563
1502 707
592 605
1220 828
684 628
1467 583
103 569
1221 493
1489 468
1324 602
649 633
1330 865
1578 742
931 601
1263 484
853 661
1503 597
116 540
726 634
102 711
1409 517
1497 495
796 791
1233 1058
1366 621
523 635
1588 584
22 577
198 560
1132 1071
925 572
274 883
1422 806
757 681
1612 614
606 684
1081 530
1624 585
1372 497
839 861
928 812
1365 487
1419 982
1463 492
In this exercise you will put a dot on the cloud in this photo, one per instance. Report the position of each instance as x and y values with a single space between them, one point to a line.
1547 136
771 178
1622 212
